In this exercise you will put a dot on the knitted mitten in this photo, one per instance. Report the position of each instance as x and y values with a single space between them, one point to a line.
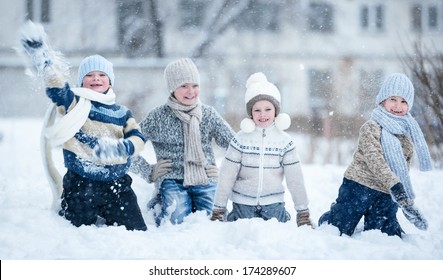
49 64
161 168
303 218
211 171
111 150
411 213
218 214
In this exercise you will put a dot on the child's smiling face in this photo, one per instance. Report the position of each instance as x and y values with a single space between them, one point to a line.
187 94
97 81
396 105
263 113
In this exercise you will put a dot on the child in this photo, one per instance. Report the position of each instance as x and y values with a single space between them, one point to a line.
259 157
99 138
377 181
182 132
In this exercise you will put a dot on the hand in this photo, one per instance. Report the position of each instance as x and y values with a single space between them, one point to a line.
34 42
415 217
49 64
161 168
218 214
111 150
211 171
411 213
303 218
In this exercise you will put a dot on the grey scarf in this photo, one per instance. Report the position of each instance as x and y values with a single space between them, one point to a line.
194 158
401 125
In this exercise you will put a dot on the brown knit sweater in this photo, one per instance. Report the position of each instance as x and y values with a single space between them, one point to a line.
369 167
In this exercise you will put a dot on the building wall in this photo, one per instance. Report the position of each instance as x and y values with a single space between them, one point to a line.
287 57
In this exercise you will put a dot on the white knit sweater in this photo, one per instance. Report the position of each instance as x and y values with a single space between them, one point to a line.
254 167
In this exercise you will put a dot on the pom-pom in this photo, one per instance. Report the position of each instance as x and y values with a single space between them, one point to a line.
282 121
247 125
258 77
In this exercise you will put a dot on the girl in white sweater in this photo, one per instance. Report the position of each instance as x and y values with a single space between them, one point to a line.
259 157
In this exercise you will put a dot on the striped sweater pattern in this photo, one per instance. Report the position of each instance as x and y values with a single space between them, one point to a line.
113 121
255 166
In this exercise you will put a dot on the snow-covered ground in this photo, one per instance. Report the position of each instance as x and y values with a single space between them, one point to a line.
30 230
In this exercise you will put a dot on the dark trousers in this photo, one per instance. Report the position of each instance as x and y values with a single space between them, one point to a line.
86 202
355 201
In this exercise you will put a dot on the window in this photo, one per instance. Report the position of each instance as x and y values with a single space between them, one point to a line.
370 82
263 16
321 17
372 17
133 27
425 18
38 10
192 13
416 18
432 17
320 89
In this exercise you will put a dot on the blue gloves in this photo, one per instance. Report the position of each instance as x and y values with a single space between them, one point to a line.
111 150
411 212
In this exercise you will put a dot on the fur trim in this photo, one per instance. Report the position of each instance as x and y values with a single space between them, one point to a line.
283 121
247 125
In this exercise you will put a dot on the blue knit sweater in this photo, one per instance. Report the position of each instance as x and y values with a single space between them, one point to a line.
113 121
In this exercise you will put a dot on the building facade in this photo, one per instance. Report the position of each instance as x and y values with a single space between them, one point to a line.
328 58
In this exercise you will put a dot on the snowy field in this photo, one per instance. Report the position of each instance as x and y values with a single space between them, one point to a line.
30 230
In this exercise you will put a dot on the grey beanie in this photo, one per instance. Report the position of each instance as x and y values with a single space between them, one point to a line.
180 72
396 84
95 63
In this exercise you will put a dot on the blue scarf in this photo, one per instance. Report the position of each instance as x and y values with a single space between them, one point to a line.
401 125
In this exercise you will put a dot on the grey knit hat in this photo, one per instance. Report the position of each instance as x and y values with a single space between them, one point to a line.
95 63
396 84
180 72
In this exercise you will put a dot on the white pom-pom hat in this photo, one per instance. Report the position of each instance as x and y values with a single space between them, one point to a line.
259 88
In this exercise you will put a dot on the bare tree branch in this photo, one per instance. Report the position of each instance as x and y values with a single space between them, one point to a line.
226 13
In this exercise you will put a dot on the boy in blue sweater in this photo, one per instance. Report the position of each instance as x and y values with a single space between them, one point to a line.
97 157
99 137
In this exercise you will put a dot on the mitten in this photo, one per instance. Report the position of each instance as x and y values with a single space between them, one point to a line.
411 213
218 214
211 171
111 150
303 218
49 64
161 168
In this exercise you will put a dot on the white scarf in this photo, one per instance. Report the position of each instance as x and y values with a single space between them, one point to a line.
66 127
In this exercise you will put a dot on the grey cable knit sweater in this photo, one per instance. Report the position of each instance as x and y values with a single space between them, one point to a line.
165 131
